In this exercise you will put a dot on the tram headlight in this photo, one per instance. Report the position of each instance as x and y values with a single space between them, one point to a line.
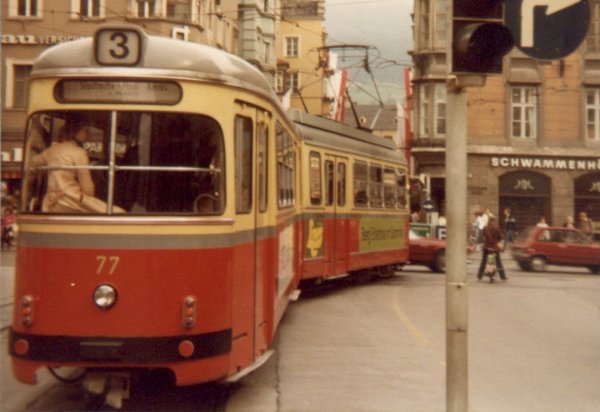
105 296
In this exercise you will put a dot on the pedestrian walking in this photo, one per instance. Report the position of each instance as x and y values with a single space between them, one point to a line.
492 236
510 225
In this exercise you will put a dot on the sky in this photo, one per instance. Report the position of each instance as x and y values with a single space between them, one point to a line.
384 24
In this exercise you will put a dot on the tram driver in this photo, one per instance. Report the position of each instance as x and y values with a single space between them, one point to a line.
70 190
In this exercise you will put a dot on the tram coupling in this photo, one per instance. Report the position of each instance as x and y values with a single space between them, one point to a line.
114 386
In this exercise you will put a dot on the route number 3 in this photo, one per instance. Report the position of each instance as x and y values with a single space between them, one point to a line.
118 46
107 264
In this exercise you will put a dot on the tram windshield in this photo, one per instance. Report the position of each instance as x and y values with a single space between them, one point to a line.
100 162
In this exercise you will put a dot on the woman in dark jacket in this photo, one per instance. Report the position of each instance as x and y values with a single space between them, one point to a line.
492 236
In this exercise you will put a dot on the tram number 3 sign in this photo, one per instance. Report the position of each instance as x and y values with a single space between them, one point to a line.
118 47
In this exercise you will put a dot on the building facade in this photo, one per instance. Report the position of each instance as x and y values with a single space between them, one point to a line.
29 27
258 21
302 64
533 132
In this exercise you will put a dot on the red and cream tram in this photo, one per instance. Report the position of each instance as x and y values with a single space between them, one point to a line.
354 205
170 208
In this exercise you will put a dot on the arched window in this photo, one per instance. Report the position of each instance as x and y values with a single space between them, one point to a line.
528 196
587 195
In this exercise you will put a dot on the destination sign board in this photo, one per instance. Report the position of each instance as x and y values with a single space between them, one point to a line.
118 91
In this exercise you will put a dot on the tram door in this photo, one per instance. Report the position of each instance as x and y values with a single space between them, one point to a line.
263 284
244 271
336 250
254 298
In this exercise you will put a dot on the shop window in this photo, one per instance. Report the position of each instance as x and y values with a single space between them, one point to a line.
587 196
527 194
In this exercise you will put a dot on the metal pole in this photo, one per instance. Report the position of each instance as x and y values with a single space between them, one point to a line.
456 251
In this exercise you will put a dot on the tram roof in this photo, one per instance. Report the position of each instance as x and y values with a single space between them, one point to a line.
161 57
328 133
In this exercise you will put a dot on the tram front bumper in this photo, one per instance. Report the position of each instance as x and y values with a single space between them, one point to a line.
129 350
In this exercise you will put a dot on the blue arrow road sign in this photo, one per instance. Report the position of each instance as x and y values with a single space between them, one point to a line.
548 29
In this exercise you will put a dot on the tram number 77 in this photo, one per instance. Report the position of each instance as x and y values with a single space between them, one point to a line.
109 263
118 46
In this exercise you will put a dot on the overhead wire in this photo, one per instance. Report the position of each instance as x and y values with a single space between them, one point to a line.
110 13
373 63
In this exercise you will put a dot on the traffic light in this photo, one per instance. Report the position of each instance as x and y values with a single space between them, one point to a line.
479 37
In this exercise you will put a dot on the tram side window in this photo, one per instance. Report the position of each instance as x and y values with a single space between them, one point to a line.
361 184
286 167
341 184
66 163
402 182
329 188
149 163
243 164
315 178
389 188
263 166
375 186
169 163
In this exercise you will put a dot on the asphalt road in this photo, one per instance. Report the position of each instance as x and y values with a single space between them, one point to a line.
534 345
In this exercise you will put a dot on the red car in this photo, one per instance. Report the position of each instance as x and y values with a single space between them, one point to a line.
428 252
540 246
